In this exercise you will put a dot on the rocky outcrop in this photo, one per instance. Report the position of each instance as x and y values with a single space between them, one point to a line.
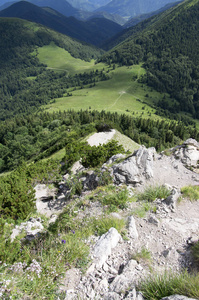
188 153
32 228
104 246
136 168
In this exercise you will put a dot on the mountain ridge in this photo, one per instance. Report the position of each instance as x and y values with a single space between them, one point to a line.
93 31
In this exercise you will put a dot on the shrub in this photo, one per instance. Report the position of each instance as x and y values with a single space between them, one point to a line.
17 196
90 156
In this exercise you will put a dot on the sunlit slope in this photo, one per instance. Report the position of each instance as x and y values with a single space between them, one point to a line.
58 59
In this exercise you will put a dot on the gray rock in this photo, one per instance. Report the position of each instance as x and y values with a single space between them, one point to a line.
132 228
111 296
120 284
129 269
77 167
104 246
177 297
188 152
171 200
136 168
32 227
114 158
153 220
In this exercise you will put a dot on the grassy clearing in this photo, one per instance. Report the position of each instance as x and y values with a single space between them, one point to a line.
58 59
159 286
121 93
191 192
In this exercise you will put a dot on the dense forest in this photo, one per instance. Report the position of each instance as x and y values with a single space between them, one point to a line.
167 44
37 136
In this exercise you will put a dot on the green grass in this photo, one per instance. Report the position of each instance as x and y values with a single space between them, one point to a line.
58 59
143 256
151 193
158 286
121 93
143 208
191 192
195 250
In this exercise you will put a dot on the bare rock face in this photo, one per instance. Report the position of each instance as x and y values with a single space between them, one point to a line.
188 153
136 168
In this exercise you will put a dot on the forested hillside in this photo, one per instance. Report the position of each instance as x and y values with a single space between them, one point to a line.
26 84
35 137
168 46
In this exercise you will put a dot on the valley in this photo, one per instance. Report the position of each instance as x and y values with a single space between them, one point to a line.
99 150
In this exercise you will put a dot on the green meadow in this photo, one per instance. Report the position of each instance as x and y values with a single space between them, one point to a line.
58 59
122 93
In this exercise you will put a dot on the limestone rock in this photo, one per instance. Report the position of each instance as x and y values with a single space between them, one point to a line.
171 200
77 167
115 158
32 227
111 296
136 168
177 297
132 228
104 246
120 284
188 152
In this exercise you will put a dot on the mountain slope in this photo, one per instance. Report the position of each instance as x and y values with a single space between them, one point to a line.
168 46
93 31
132 8
134 21
25 83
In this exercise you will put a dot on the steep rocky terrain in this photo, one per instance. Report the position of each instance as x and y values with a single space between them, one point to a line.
165 233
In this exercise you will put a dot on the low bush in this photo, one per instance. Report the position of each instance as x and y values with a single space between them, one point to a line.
91 156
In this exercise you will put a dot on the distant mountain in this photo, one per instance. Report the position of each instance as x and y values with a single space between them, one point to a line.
94 31
66 9
134 21
88 5
133 8
168 46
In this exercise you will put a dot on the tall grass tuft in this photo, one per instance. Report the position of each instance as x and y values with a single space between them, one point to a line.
158 286
191 192
151 193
